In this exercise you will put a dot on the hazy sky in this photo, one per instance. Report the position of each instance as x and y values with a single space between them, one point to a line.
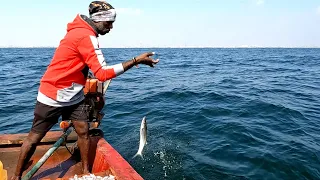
174 23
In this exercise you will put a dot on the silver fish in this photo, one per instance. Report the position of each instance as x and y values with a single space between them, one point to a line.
143 137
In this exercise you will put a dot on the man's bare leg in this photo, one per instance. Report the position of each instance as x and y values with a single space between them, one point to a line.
28 148
82 129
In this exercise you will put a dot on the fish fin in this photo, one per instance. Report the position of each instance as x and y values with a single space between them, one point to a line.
134 156
137 154
141 156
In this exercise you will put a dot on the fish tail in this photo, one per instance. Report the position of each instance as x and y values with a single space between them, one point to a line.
137 154
134 156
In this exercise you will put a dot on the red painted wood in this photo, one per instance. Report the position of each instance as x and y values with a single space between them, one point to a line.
108 158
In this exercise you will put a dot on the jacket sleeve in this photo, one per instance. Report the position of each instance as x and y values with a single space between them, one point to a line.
93 57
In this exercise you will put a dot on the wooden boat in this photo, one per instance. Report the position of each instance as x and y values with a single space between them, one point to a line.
65 162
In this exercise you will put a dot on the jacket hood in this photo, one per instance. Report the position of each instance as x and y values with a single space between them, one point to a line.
82 21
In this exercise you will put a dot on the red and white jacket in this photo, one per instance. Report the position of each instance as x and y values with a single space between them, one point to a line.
63 82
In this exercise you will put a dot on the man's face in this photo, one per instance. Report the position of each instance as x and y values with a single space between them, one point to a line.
104 27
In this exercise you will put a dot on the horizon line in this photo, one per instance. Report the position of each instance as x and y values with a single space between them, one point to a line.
127 47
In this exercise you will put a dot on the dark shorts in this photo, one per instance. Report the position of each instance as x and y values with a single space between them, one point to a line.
45 117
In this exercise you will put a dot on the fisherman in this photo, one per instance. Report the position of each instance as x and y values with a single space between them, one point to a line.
61 87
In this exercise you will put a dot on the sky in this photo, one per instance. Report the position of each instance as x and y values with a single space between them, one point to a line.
169 23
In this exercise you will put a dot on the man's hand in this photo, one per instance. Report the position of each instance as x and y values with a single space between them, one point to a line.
141 59
145 59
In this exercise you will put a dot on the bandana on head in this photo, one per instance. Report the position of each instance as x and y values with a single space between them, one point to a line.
101 11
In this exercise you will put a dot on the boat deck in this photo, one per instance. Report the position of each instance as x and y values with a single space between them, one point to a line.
104 160
60 165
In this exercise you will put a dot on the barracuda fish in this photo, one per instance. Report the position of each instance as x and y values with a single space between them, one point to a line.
143 137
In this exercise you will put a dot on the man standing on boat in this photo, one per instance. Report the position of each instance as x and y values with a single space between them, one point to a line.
61 87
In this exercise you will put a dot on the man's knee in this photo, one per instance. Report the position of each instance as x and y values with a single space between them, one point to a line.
82 129
33 139
83 134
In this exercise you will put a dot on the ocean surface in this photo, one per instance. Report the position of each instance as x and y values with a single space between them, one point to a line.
211 113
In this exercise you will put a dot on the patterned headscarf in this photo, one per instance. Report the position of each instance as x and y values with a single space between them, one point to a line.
101 11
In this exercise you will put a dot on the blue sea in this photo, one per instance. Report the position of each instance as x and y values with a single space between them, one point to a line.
211 113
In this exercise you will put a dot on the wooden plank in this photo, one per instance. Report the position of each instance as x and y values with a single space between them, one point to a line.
7 140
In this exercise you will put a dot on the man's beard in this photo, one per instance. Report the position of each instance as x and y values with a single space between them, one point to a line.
102 30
